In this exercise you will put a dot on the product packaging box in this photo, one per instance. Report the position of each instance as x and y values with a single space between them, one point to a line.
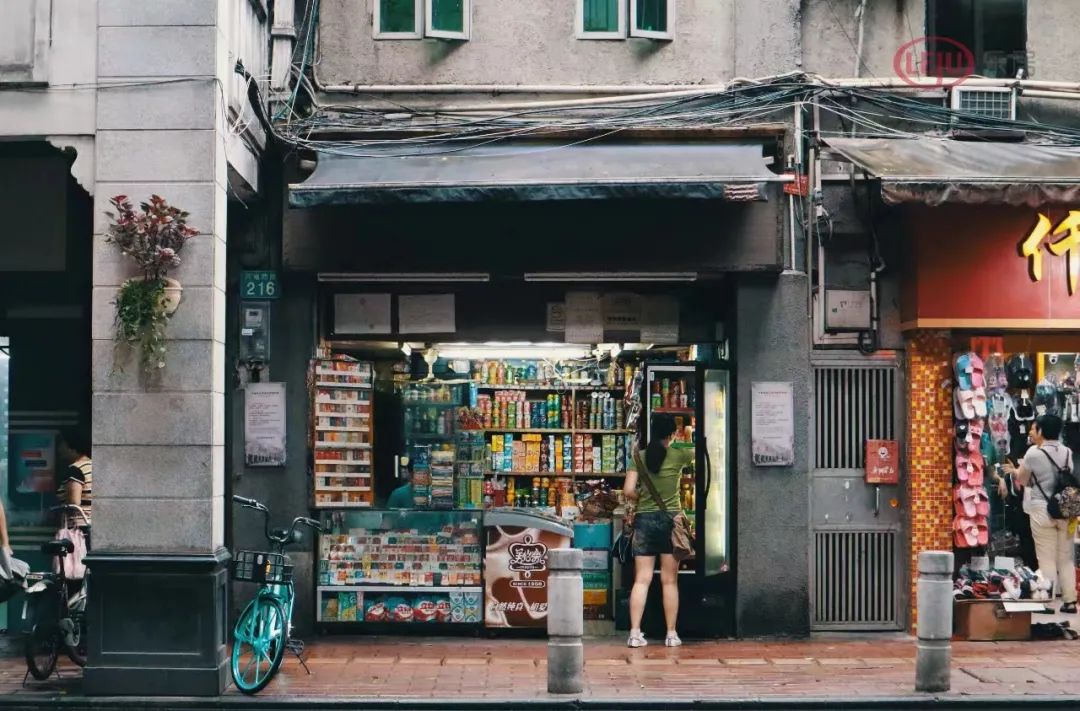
595 579
592 536
987 621
595 559
595 597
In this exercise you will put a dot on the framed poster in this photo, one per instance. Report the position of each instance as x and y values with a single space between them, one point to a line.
264 424
772 425
33 465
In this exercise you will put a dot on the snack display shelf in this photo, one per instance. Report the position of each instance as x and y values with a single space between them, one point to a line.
552 388
348 462
342 445
400 588
547 430
577 475
334 384
344 488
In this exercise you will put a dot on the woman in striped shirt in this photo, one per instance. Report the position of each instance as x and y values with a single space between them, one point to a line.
75 483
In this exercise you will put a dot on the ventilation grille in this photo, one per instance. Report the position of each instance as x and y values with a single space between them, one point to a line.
855 579
998 104
852 406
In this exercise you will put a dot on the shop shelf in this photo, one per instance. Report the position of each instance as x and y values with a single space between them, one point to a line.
344 488
342 445
420 403
559 474
391 588
673 411
342 401
552 388
339 371
356 386
342 504
527 430
604 432
428 435
352 415
351 462
329 428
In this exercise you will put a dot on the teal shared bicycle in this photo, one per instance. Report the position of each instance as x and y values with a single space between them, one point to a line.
262 634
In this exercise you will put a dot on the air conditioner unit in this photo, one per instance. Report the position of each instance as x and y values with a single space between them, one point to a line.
998 103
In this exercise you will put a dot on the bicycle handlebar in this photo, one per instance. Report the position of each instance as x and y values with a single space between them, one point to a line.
288 537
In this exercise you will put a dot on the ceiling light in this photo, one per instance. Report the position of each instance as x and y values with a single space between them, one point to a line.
406 277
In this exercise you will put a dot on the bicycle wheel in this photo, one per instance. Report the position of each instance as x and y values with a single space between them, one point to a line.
42 647
77 653
258 644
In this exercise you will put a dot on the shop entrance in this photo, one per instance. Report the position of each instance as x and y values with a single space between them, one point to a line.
445 468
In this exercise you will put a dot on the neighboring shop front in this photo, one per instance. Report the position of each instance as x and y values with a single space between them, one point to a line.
990 312
493 342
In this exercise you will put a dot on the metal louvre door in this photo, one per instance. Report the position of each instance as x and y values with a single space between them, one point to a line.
857 566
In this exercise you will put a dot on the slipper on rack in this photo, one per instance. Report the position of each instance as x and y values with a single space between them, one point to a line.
964 404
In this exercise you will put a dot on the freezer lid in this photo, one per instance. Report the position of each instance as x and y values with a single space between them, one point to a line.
527 519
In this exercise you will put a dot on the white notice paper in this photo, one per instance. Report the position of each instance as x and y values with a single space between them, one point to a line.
429 313
264 424
659 320
584 317
622 312
361 313
772 425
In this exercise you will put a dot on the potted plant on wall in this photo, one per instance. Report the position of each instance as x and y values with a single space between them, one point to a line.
152 237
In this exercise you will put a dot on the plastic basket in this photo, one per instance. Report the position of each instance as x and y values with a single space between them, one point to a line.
259 567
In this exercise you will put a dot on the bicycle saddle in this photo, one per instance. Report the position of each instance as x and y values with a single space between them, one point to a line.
62 546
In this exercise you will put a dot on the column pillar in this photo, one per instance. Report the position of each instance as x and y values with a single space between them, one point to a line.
157 617
929 449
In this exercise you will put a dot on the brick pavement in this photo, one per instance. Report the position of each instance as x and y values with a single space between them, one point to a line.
483 669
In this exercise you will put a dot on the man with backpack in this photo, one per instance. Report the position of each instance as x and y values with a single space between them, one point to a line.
1047 469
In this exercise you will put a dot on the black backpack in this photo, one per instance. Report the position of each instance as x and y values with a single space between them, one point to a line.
1065 503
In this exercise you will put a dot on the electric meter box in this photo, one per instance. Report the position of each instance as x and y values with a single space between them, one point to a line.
847 311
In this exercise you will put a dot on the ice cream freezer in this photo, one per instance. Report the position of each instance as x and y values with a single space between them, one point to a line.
381 570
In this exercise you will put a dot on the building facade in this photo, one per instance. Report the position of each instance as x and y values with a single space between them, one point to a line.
114 97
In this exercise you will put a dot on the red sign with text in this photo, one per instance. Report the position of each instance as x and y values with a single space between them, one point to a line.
882 461
999 267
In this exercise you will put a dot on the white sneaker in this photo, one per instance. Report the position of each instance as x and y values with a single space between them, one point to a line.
637 640
672 640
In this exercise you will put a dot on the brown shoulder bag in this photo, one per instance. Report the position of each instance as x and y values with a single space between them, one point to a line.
682 540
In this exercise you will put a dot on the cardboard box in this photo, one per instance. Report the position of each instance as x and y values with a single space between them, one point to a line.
987 621
595 597
595 559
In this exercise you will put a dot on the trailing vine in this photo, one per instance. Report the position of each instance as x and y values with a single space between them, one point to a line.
152 237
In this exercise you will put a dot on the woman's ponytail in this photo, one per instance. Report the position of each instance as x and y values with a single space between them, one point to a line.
663 426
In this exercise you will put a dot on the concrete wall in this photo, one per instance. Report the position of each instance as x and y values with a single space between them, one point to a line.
528 43
771 344
161 445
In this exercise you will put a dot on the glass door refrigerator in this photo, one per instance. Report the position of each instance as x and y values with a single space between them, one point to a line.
697 398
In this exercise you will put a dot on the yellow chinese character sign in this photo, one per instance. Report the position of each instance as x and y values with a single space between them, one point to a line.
1067 244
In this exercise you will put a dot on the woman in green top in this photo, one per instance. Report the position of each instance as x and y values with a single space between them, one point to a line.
653 526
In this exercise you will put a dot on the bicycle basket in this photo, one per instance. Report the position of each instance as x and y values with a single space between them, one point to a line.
257 567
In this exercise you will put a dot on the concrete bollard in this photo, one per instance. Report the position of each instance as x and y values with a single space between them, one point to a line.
935 623
566 655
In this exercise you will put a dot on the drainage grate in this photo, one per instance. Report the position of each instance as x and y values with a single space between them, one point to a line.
855 579
852 405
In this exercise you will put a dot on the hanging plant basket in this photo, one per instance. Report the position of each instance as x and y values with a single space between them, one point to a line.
153 237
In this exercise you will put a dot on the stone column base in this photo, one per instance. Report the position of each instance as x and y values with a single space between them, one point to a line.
157 625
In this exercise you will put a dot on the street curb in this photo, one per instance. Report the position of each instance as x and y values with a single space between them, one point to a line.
899 703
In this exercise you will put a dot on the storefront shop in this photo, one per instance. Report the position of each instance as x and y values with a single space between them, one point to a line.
990 315
469 411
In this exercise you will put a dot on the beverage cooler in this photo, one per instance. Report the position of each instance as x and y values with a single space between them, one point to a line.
697 398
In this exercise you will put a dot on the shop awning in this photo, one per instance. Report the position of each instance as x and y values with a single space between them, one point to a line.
448 172
934 171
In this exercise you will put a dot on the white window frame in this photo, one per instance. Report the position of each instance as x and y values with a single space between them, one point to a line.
649 34
466 24
418 28
618 34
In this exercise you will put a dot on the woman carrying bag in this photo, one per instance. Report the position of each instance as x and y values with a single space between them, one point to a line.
653 484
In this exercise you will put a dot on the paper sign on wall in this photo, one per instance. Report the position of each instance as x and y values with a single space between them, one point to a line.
659 320
772 425
264 424
584 317
427 313
882 461
556 317
362 313
622 312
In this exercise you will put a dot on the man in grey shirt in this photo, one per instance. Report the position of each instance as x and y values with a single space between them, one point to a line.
1039 472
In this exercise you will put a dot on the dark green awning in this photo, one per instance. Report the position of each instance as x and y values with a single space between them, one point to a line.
448 172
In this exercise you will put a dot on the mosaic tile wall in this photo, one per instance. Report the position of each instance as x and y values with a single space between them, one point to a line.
929 447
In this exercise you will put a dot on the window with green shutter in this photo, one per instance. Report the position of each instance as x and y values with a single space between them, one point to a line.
448 19
397 19
651 18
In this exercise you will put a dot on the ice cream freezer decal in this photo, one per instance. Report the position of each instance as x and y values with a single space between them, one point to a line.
515 568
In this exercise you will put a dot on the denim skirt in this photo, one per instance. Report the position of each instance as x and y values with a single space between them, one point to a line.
652 533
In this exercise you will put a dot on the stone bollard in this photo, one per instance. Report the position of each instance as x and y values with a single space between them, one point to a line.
935 623
566 655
